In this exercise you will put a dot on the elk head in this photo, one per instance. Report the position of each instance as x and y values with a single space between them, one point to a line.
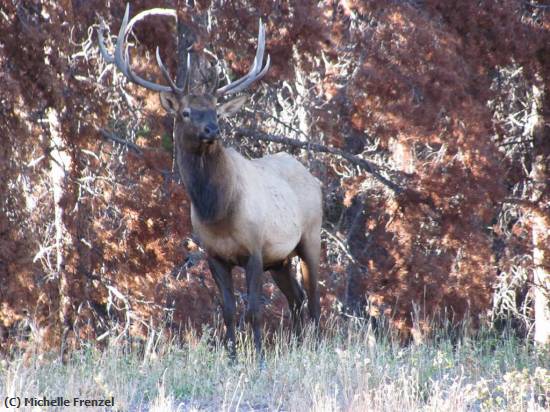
196 115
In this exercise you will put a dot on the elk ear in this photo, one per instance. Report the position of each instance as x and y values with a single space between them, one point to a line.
170 102
231 107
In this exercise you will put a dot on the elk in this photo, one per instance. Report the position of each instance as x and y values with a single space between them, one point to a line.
257 214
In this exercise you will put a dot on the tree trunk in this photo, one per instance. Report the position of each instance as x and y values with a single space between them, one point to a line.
540 224
541 258
59 163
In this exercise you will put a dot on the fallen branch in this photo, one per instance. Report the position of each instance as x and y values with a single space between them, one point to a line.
258 135
533 205
107 135
516 142
370 167
536 5
111 136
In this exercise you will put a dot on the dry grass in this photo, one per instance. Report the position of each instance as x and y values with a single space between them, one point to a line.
350 370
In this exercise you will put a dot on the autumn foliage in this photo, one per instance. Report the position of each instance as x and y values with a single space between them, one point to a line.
441 96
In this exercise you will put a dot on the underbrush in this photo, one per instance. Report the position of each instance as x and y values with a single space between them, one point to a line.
350 368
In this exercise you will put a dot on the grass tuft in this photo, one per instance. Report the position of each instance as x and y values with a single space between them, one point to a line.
348 369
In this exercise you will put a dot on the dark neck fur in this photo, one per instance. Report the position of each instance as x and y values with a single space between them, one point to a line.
208 181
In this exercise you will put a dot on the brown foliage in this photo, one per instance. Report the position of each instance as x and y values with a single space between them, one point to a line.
411 85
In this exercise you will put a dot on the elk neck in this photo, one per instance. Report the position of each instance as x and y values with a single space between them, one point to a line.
209 180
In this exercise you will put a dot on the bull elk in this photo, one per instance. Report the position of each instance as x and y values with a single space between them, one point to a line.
256 213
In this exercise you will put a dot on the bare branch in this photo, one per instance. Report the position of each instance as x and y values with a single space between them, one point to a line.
111 136
370 167
139 150
516 142
536 5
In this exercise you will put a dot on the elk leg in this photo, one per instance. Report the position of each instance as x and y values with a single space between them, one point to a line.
309 250
221 272
293 293
254 271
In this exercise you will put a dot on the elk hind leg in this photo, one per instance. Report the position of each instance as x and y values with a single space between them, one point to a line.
294 294
309 250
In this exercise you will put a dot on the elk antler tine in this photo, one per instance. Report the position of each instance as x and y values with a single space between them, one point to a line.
248 81
187 74
216 78
260 50
131 75
265 69
106 56
257 65
255 72
229 88
166 74
120 42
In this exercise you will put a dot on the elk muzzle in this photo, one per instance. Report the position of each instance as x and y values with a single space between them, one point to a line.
209 132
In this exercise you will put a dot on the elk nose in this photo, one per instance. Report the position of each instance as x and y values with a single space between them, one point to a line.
210 131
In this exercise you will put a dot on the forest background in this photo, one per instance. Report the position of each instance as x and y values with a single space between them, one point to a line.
436 194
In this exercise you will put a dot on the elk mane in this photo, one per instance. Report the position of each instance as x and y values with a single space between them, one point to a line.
210 188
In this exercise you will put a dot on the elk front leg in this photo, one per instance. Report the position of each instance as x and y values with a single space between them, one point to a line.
254 271
221 272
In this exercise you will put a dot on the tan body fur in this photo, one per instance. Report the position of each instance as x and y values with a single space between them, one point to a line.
255 213
276 200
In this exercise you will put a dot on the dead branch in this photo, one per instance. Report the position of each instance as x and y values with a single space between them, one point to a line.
107 135
516 142
370 167
531 205
536 5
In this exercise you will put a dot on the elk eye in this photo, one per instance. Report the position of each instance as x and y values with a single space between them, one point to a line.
186 113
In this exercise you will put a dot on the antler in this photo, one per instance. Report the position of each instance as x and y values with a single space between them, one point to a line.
122 59
256 71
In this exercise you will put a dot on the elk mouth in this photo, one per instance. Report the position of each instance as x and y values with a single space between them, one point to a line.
208 140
